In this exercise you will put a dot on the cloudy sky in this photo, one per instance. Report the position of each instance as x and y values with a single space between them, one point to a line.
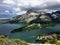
9 8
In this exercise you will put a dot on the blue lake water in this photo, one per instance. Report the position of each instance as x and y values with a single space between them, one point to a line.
6 28
28 36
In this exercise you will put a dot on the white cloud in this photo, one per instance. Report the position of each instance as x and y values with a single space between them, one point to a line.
49 11
17 9
19 4
22 12
8 2
32 3
37 3
6 11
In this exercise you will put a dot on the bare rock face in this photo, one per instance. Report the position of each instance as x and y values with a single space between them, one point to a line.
43 15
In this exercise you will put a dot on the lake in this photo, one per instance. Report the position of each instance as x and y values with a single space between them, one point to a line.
28 36
6 28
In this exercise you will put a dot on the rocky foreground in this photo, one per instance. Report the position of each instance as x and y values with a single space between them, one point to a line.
5 41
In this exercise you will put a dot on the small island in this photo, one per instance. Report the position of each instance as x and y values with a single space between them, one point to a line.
33 27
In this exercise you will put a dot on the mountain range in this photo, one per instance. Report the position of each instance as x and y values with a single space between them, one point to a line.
41 15
36 16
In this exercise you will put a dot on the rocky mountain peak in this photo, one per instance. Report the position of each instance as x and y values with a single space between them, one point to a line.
30 10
